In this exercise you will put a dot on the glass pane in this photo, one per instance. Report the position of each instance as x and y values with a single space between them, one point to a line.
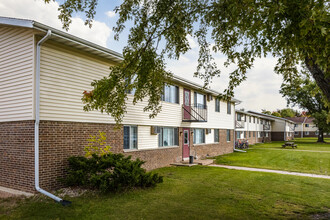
186 141
186 98
200 100
126 137
160 137
133 137
176 137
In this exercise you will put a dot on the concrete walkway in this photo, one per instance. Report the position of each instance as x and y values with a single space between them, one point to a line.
7 192
271 171
316 151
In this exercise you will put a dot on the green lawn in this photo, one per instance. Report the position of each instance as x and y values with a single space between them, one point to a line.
192 193
273 156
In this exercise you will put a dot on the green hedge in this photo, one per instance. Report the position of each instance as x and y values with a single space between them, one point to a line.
109 172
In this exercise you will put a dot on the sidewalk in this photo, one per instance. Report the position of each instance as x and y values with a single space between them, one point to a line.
272 171
316 151
7 192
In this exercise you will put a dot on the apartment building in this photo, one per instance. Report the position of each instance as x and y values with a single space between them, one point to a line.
304 127
43 74
253 127
282 129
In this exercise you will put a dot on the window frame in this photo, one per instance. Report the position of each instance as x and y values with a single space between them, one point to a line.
239 117
175 138
228 108
198 105
203 135
216 138
217 105
130 147
177 96
228 136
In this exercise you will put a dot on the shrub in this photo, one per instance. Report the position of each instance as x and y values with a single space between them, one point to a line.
109 172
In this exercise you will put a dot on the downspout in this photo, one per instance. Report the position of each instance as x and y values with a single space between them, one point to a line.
284 131
36 126
302 128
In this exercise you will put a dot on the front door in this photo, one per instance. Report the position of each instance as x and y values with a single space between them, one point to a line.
186 103
186 141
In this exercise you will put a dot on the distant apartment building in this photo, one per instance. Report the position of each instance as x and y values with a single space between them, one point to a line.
257 127
305 127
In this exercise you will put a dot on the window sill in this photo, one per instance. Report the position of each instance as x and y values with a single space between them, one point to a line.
154 148
174 103
205 144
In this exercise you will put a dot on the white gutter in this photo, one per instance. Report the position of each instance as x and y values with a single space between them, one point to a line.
302 127
284 131
36 126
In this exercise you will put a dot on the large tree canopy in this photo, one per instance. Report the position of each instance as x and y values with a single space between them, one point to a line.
294 31
303 92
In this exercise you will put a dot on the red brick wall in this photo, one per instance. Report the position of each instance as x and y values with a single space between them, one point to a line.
17 155
223 147
60 140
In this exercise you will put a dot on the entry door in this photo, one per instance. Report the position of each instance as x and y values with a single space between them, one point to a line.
186 103
186 141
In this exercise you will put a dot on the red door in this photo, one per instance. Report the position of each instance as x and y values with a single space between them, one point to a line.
186 141
186 103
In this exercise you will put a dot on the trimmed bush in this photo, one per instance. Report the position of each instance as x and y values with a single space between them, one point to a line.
109 172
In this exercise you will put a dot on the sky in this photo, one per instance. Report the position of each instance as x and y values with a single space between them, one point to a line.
259 91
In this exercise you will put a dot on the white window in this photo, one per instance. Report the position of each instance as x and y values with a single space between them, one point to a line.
200 100
171 94
228 135
168 137
217 105
228 108
130 137
306 132
306 125
199 135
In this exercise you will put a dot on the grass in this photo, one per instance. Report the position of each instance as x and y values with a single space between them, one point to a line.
273 156
192 193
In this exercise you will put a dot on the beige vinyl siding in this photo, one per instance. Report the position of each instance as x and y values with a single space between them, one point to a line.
220 120
16 74
145 139
278 125
65 74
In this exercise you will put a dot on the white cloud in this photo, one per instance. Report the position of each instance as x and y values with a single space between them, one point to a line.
110 14
48 14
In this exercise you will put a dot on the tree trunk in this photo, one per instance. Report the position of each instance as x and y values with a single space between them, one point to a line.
320 136
320 78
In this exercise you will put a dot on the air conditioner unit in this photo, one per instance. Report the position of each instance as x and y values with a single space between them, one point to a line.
155 130
208 130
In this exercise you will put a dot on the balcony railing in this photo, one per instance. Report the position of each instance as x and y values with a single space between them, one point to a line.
266 127
240 124
192 113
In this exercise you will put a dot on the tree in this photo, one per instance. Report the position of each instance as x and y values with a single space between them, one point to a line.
264 111
295 31
277 114
287 112
304 93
